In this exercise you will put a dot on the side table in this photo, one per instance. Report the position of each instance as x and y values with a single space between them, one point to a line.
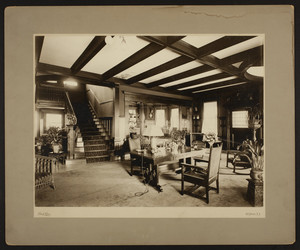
60 157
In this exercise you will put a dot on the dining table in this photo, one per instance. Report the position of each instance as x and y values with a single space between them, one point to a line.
151 162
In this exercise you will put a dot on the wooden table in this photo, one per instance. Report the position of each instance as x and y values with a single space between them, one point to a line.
151 162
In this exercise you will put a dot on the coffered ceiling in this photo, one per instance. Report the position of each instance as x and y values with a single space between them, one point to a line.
179 64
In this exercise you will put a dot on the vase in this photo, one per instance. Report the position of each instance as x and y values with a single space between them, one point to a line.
256 175
55 148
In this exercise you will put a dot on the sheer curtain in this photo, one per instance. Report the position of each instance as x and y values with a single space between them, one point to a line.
210 117
175 118
160 118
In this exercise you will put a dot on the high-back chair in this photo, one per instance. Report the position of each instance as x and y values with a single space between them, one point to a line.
203 176
134 144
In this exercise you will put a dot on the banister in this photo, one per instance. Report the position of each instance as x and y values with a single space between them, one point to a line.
69 104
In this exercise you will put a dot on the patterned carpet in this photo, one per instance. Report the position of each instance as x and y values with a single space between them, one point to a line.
108 184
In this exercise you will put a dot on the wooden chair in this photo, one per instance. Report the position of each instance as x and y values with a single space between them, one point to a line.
134 144
43 171
238 159
203 176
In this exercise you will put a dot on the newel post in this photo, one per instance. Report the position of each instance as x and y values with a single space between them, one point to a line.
71 141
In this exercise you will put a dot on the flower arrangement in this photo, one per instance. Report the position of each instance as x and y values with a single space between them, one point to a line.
210 137
178 136
71 119
178 140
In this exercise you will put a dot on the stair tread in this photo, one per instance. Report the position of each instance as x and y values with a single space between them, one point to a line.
96 150
98 156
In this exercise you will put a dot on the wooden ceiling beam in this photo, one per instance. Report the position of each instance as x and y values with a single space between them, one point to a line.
159 69
39 40
92 49
54 72
230 88
188 50
66 73
256 52
221 43
198 81
214 85
139 56
185 74
210 48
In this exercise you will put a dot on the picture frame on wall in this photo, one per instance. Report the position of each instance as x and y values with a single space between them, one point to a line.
150 113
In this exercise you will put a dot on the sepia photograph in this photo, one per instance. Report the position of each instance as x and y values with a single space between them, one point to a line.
149 121
149 125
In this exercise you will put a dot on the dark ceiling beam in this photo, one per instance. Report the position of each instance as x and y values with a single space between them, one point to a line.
139 56
188 50
152 92
39 40
222 43
66 73
228 89
159 69
54 72
213 85
199 81
256 52
210 48
92 49
185 74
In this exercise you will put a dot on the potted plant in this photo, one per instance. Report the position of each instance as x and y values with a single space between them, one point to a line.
255 119
178 139
255 154
54 136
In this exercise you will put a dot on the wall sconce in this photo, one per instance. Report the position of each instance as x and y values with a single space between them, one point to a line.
71 83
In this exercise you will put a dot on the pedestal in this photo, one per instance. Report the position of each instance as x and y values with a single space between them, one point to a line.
255 193
71 141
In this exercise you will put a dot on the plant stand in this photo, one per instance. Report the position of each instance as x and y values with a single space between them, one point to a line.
255 193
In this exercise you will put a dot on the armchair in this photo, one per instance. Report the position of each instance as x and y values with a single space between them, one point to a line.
238 158
43 171
134 144
203 176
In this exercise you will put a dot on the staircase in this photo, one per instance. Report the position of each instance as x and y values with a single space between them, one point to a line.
93 133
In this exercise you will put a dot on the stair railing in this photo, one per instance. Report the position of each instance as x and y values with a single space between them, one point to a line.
71 116
106 121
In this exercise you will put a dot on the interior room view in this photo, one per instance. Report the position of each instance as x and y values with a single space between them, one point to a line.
149 121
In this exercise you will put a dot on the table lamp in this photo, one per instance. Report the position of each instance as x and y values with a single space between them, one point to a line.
153 131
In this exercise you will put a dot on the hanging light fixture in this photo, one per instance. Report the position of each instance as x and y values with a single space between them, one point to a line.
109 40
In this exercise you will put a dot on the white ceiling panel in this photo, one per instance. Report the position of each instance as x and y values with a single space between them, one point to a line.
201 40
191 78
63 50
226 86
173 71
208 83
249 44
150 62
114 53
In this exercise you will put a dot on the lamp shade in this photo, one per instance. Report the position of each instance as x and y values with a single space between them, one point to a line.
153 130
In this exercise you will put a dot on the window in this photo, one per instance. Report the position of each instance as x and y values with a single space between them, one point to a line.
240 119
175 118
210 118
160 118
53 120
